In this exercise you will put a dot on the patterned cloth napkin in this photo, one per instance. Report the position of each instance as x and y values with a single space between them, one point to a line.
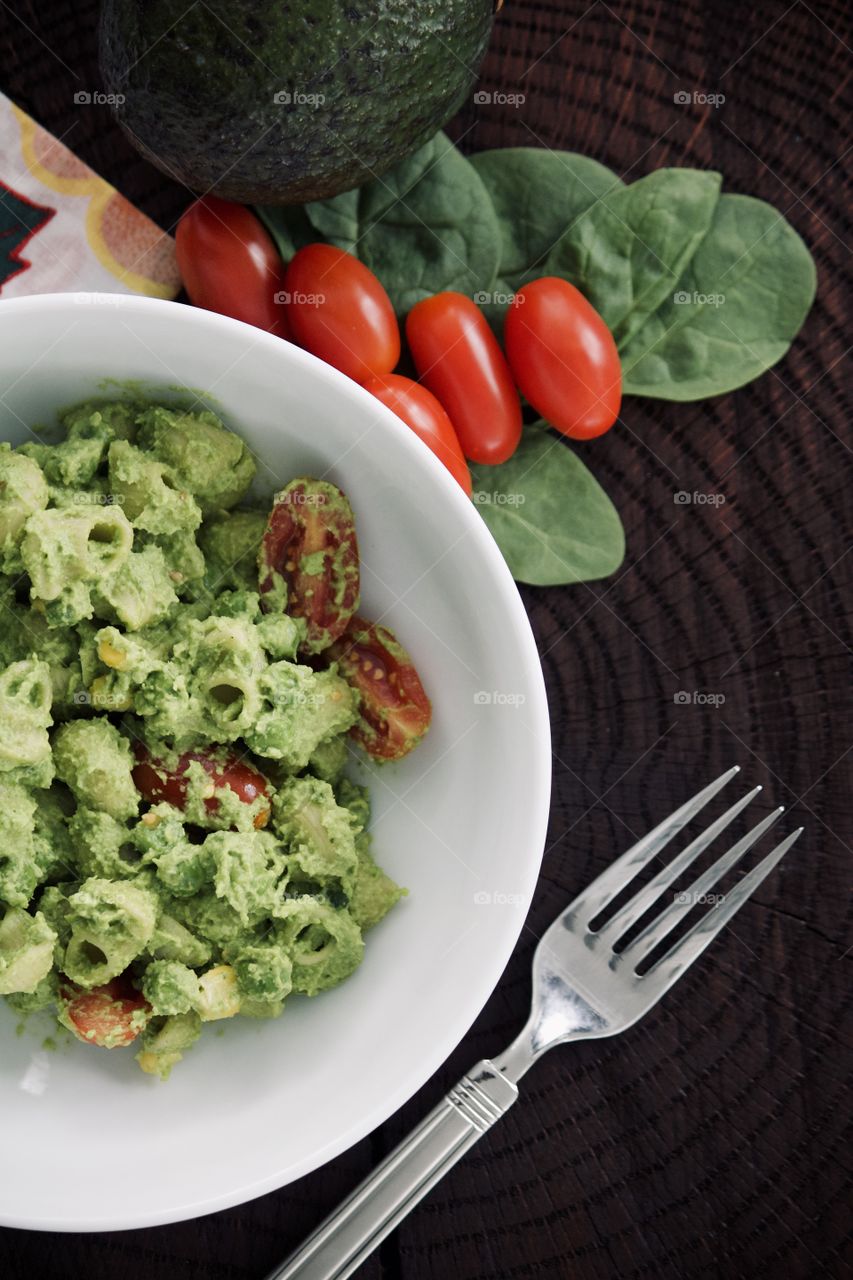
62 228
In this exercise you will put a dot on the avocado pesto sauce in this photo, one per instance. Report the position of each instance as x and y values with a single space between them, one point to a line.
178 841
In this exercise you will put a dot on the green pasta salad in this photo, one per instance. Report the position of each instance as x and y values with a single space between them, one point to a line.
182 677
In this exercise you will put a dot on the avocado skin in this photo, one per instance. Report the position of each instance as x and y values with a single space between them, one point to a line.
199 87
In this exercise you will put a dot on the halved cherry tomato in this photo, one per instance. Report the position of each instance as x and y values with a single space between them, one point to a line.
308 561
106 1016
229 264
339 311
457 356
563 358
156 782
395 710
421 411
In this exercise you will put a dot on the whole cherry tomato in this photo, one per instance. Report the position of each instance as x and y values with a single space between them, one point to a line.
229 264
339 311
563 358
421 411
308 561
395 710
156 782
457 356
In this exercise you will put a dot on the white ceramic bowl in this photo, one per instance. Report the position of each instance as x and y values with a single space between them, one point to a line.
93 1144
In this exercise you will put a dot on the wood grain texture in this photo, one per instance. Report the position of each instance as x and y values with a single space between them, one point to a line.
711 1141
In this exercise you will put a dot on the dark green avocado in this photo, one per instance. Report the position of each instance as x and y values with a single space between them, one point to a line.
279 103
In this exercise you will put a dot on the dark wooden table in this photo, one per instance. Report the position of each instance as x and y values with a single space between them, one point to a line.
710 1140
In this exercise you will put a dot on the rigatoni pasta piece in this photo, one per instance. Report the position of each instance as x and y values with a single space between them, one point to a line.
170 987
142 594
23 491
26 951
324 943
248 870
173 941
26 694
215 464
317 831
301 708
230 541
164 1042
19 873
112 922
264 970
67 550
95 761
148 493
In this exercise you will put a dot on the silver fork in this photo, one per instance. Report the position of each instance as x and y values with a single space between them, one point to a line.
582 989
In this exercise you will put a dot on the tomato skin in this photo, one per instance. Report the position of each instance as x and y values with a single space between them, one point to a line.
563 358
425 414
339 311
103 1016
458 358
310 547
155 782
229 264
395 710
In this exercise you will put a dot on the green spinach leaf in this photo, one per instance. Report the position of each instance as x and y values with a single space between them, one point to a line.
289 227
548 514
627 251
538 195
429 225
425 226
337 219
734 312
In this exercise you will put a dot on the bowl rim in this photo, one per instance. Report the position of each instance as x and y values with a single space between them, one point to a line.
479 986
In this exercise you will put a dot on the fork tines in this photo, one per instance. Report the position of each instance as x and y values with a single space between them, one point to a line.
620 873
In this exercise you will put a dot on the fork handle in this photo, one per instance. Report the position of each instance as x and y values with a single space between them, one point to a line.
353 1231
